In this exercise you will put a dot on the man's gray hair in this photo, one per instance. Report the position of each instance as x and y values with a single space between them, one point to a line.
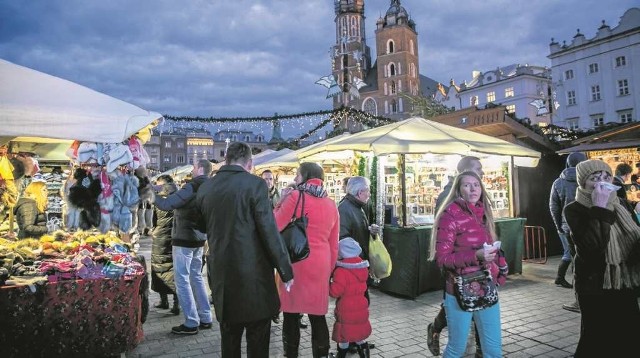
356 184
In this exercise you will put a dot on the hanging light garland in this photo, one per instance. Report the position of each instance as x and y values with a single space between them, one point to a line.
300 120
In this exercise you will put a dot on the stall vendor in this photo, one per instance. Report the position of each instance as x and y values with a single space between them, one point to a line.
30 211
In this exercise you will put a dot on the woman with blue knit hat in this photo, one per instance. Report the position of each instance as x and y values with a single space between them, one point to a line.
348 286
607 264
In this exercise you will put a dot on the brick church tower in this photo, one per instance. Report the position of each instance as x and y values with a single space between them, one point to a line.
394 70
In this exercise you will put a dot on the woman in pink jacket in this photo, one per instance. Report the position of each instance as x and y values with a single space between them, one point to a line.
462 227
310 292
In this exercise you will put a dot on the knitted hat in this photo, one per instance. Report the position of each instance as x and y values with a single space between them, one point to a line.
348 248
574 158
588 167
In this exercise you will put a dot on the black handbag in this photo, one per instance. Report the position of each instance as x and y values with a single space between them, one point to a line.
475 290
295 234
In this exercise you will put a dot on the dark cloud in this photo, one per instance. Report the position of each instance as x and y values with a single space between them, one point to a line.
255 58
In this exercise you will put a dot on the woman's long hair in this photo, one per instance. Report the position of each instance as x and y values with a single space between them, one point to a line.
455 194
35 192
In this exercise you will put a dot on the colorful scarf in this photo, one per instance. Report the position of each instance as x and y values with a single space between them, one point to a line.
314 188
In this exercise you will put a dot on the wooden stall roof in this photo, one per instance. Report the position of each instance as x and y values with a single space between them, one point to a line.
496 123
626 136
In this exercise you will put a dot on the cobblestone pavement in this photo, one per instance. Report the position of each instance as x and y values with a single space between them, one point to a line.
533 322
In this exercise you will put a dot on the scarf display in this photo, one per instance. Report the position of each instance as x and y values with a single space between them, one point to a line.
624 234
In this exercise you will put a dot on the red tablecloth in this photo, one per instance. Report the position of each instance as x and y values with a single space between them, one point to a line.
71 318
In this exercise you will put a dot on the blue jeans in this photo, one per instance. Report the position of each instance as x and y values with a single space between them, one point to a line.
566 253
190 288
459 322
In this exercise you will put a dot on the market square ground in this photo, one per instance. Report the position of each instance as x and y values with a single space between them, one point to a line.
533 322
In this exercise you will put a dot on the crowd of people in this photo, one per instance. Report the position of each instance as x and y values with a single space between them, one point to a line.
230 223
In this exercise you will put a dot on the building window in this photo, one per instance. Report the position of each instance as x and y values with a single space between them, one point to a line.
222 153
621 61
154 160
412 69
595 93
393 87
508 92
392 69
411 47
247 138
593 68
190 160
623 87
221 137
390 46
571 98
394 106
597 119
179 145
234 137
473 101
491 97
568 74
572 124
511 109
179 158
166 158
625 116
259 138
369 106
167 144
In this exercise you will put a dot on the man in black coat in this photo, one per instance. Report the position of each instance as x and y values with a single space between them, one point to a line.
245 247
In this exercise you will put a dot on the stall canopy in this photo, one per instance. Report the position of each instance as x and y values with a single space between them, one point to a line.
292 159
37 107
418 135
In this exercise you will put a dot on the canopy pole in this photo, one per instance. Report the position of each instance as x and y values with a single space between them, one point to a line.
403 188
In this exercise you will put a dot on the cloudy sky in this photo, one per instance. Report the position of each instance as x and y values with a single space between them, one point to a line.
246 58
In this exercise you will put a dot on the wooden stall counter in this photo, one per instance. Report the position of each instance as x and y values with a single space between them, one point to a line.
413 274
83 318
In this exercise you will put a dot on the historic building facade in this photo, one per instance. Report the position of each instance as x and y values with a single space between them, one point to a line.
597 80
525 91
371 84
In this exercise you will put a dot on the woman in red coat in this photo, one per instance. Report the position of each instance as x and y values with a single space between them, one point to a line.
310 293
348 286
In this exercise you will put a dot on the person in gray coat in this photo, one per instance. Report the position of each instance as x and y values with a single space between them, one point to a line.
245 247
563 191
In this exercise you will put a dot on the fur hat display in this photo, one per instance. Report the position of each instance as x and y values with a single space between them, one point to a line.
574 158
588 167
119 155
348 248
87 152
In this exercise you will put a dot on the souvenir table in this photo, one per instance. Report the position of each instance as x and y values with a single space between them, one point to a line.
71 318
413 274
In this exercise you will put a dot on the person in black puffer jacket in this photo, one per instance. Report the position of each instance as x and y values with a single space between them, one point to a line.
162 278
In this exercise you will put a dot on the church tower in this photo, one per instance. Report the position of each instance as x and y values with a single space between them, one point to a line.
374 86
397 61
351 57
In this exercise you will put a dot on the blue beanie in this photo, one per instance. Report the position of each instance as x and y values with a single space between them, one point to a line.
348 248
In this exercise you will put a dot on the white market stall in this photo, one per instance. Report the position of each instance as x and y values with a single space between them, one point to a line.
44 114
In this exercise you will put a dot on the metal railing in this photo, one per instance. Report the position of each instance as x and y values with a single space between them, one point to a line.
535 245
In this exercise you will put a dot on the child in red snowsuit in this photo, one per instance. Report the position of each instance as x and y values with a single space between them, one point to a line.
348 286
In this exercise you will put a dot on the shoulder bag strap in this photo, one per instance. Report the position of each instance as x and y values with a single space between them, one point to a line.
293 216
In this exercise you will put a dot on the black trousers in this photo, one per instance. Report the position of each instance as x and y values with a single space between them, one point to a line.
258 335
291 334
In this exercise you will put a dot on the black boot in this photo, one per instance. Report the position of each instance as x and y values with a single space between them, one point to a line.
562 270
319 351
176 307
342 352
363 350
164 302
